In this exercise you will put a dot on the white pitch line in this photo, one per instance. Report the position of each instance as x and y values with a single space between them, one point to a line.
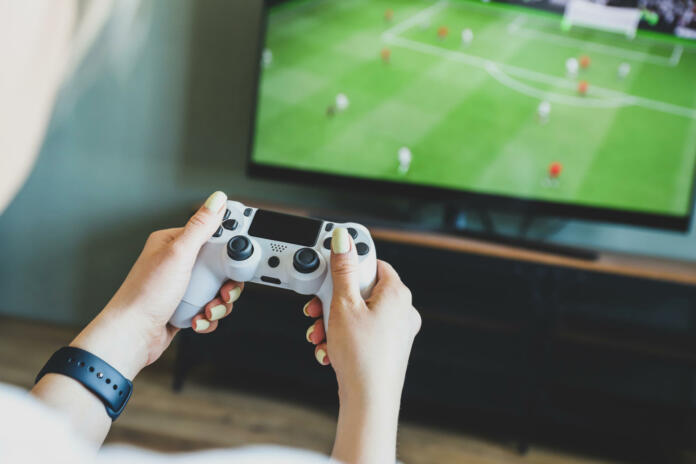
497 74
516 24
599 48
415 19
486 64
676 55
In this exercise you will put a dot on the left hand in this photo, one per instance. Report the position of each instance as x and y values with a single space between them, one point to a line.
132 330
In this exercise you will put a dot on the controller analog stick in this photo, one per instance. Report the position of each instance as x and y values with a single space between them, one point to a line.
305 260
239 248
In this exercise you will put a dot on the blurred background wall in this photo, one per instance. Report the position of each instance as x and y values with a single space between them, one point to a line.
154 120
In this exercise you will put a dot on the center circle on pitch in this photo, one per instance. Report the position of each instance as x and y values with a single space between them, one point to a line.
305 260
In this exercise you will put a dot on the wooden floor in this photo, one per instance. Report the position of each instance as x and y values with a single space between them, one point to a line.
203 417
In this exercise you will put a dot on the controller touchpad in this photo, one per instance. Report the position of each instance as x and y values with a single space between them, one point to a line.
286 228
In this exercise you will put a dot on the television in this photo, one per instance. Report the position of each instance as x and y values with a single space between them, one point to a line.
560 107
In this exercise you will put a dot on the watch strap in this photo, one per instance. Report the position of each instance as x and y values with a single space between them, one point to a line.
95 374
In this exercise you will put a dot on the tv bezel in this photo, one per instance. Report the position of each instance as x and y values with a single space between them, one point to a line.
452 197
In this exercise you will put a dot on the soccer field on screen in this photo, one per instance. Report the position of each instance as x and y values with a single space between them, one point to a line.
469 113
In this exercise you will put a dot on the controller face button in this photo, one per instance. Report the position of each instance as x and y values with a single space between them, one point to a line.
239 248
273 261
362 248
247 212
230 224
270 280
218 232
305 260
328 227
327 243
353 233
227 215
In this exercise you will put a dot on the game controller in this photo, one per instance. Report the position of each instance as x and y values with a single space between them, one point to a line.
274 249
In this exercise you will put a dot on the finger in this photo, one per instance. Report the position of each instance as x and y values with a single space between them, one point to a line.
344 267
315 333
216 309
313 308
386 274
388 281
322 355
416 321
202 325
203 224
231 290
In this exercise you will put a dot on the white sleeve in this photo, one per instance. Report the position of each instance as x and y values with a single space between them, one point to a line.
31 432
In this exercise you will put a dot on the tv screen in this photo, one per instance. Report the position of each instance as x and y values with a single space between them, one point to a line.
570 107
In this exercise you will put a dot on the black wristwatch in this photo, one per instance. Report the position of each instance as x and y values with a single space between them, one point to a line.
95 374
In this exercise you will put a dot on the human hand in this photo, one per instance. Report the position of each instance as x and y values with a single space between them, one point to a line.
370 340
369 345
132 330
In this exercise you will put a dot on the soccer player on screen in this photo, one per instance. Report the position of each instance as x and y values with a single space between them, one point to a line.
572 66
405 158
467 37
543 112
582 88
386 55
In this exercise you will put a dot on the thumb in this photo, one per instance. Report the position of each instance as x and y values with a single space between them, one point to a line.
344 267
203 224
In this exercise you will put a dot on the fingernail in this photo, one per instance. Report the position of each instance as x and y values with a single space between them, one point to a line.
216 201
234 294
217 312
202 324
340 241
304 309
309 333
321 357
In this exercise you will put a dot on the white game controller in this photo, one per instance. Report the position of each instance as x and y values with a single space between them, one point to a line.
275 249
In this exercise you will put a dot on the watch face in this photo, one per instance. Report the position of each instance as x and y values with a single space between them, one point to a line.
285 228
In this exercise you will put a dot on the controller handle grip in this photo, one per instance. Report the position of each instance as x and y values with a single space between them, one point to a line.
206 279
325 293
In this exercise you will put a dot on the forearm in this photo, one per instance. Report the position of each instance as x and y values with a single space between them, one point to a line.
83 409
366 432
108 338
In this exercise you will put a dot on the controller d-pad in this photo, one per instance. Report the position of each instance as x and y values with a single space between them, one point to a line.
239 248
362 248
230 224
353 233
305 260
327 243
227 215
218 232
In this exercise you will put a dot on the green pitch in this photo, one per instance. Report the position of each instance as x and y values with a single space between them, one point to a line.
469 113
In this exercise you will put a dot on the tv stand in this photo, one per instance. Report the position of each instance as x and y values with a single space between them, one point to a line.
456 224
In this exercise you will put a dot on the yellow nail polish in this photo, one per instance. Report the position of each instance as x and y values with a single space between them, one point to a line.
217 312
202 324
340 241
234 295
309 333
304 309
321 356
216 201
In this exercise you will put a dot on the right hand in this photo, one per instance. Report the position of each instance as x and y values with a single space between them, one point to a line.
371 339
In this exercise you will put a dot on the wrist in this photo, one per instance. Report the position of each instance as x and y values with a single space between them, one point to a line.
115 338
367 426
382 396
